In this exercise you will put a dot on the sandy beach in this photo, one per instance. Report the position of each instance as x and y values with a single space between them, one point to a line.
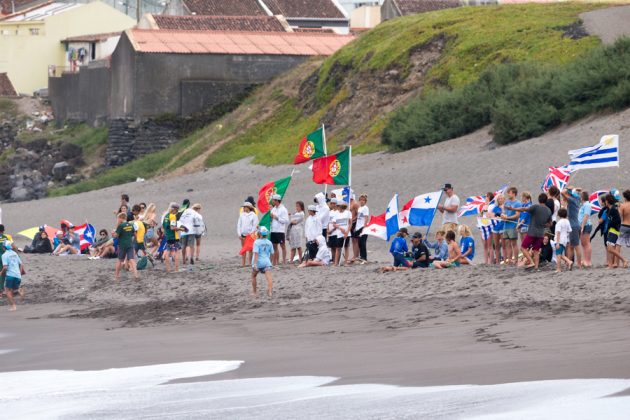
473 325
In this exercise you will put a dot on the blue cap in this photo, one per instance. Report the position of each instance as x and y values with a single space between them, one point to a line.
263 231
615 193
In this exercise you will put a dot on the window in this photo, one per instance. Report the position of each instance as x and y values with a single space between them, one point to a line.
6 32
34 31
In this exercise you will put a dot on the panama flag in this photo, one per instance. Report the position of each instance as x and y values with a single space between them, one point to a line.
594 199
603 155
557 176
420 210
312 146
86 233
376 227
391 217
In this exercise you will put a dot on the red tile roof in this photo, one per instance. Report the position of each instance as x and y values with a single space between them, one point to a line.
6 87
241 43
6 6
220 23
225 7
92 38
411 7
320 9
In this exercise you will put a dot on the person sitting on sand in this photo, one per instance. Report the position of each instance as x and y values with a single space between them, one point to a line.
261 261
562 235
454 253
612 236
467 244
439 247
323 256
399 249
419 253
41 244
312 231
103 238
70 243
125 233
247 224
546 251
12 270
540 219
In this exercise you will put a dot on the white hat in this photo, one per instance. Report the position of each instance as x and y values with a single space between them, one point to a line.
312 208
248 204
276 197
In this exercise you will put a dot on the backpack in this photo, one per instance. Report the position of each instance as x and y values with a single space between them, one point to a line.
142 263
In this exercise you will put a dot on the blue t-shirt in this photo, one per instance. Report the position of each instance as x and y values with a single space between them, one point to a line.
497 225
11 260
440 249
398 246
467 243
585 211
264 249
525 217
509 203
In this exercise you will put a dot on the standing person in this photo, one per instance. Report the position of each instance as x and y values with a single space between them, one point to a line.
573 208
612 236
279 222
342 225
624 212
12 270
540 219
354 237
323 213
200 228
586 227
247 224
140 230
171 233
485 227
261 263
3 238
363 217
510 234
332 232
553 203
296 231
187 236
563 232
124 233
449 209
524 217
498 226
149 217
312 230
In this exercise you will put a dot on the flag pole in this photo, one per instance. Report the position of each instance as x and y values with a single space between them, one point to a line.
325 154
426 236
350 169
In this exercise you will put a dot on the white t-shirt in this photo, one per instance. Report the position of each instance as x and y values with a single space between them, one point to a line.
450 217
332 216
280 223
563 228
556 207
323 255
361 214
187 220
344 221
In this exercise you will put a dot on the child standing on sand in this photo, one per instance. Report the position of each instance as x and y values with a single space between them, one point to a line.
261 263
563 230
12 268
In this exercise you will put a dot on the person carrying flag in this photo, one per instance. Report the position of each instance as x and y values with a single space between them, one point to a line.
279 221
449 209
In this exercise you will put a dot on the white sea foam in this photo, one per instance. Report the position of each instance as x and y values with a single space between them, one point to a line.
142 392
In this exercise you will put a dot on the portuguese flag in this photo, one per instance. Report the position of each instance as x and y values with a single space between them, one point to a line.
311 147
268 190
333 169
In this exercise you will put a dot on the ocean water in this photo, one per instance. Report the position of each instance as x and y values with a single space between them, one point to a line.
144 393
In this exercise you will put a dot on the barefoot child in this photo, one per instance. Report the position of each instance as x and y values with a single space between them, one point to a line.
12 268
467 244
125 233
563 230
454 253
261 263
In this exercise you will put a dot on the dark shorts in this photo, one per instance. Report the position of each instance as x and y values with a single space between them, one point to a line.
276 238
587 229
574 237
197 237
400 261
420 264
341 242
188 241
173 245
12 283
356 233
126 253
531 242
262 269
611 239
560 250
139 247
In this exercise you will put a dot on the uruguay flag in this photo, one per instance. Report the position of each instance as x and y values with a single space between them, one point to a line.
391 217
602 155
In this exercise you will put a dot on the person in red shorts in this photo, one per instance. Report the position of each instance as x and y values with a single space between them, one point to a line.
540 219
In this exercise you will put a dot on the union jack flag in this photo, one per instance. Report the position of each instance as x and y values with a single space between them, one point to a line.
474 205
594 199
558 176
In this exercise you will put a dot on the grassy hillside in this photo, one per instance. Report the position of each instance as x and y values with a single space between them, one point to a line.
355 91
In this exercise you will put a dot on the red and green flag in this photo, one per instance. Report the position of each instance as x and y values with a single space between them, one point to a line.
333 169
248 244
268 190
265 221
312 146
